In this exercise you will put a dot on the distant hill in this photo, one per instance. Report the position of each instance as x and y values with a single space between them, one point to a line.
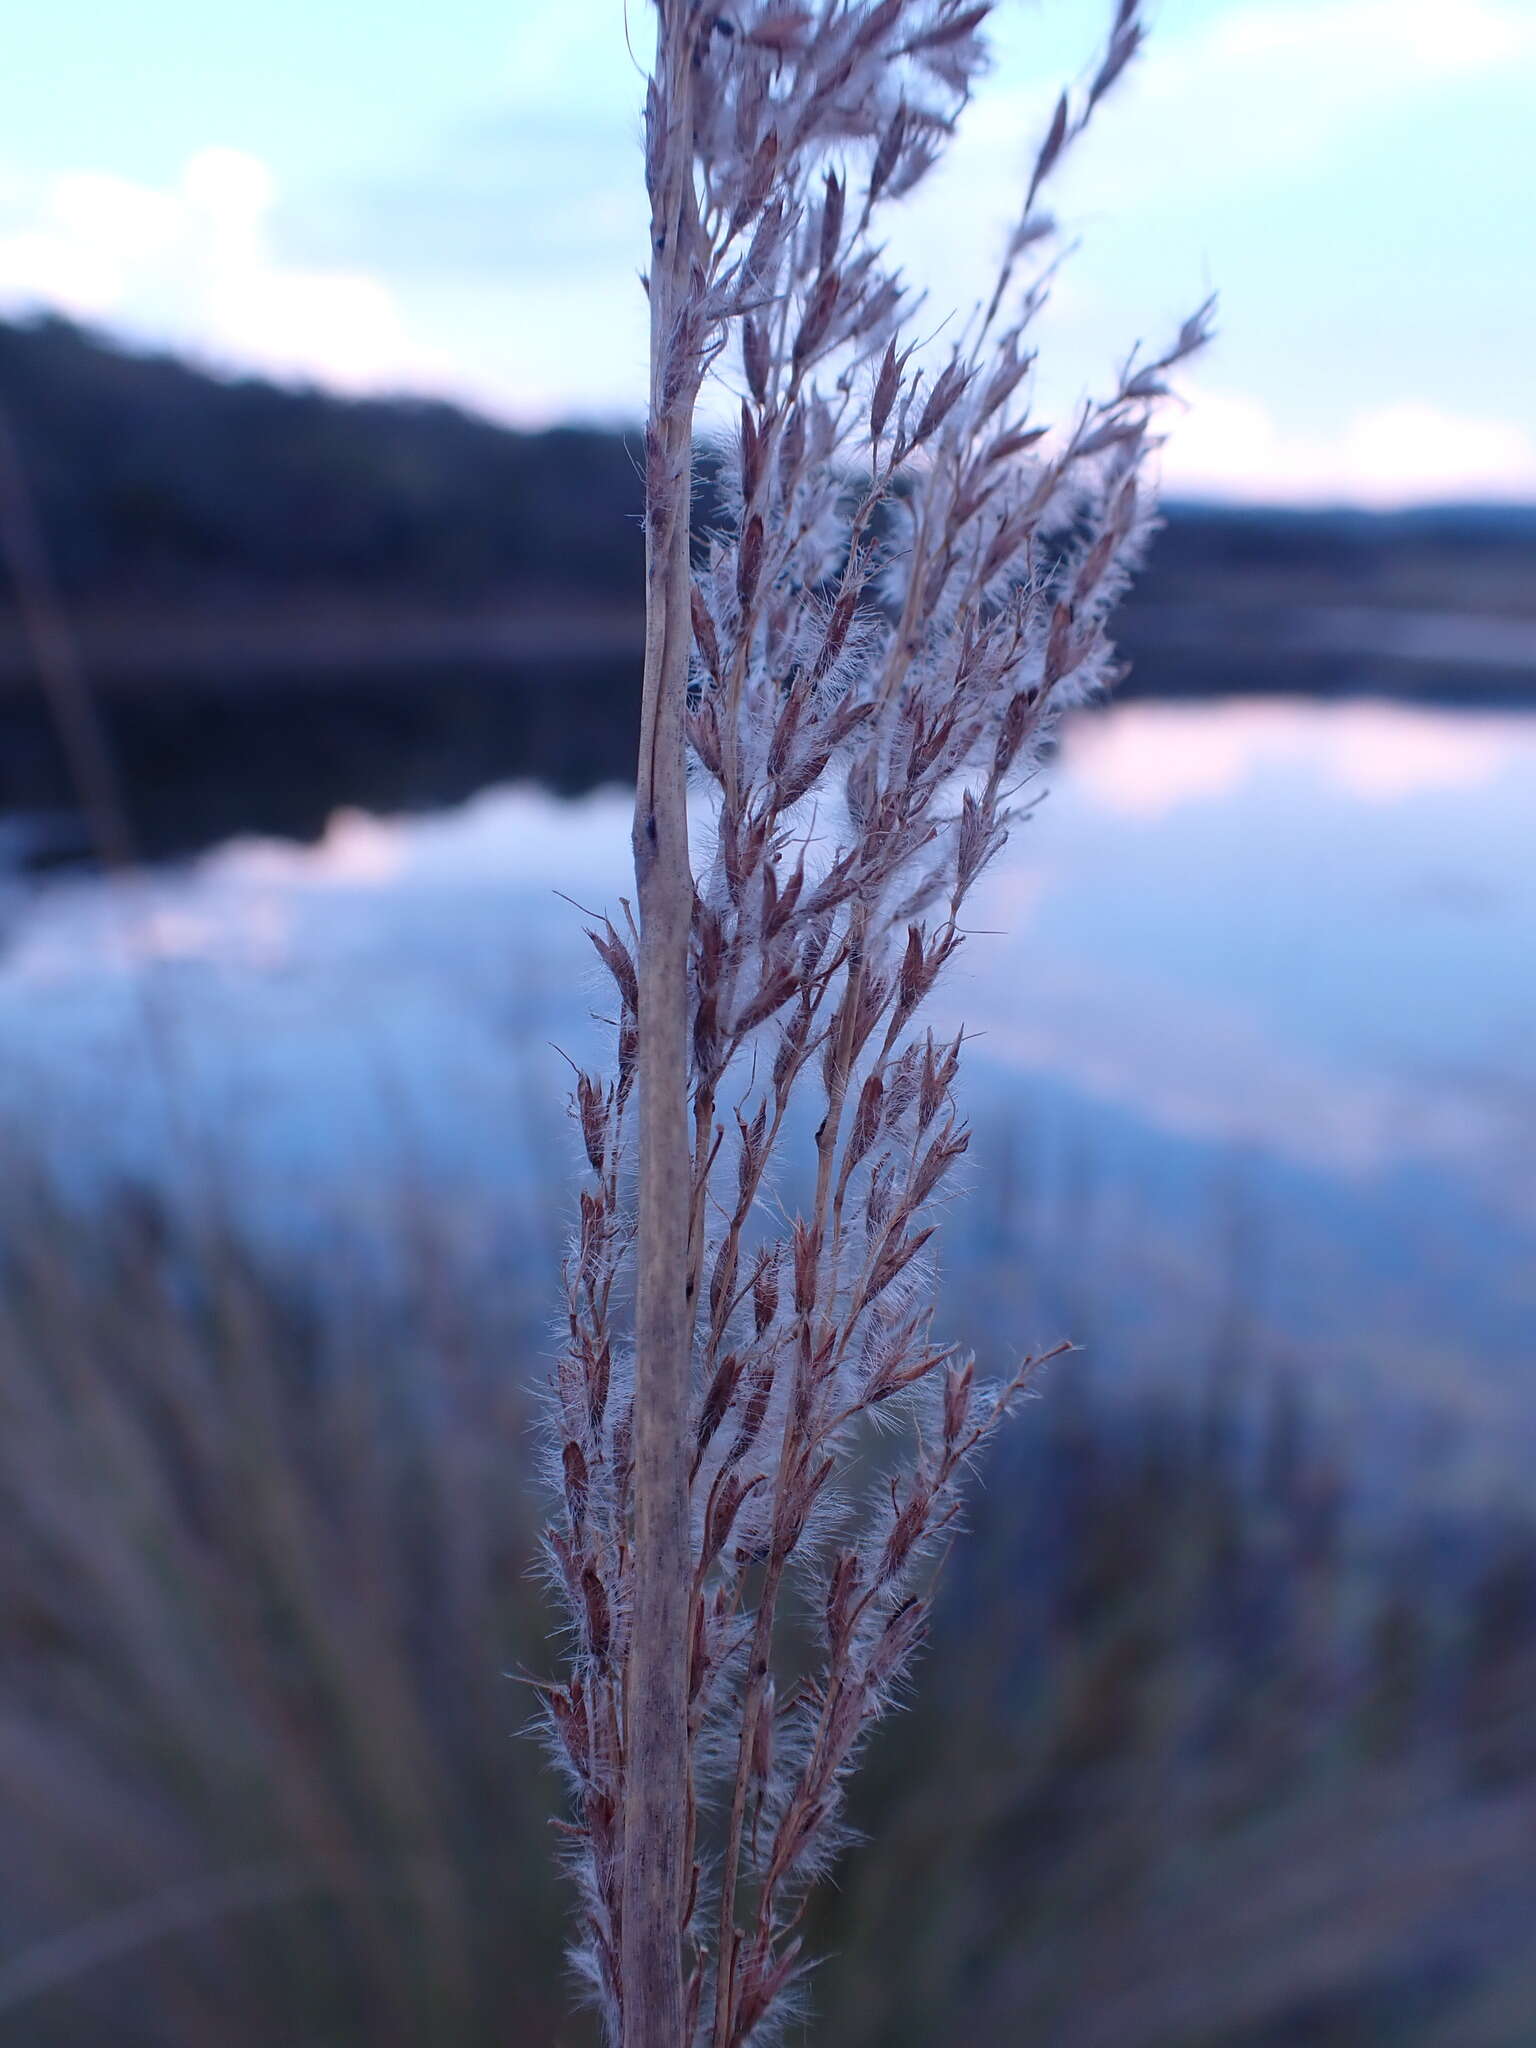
153 479
157 483
284 599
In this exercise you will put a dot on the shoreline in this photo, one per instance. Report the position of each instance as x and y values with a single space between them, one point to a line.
1227 649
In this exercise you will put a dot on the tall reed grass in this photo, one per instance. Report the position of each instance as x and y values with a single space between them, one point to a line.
260 1781
263 1565
906 578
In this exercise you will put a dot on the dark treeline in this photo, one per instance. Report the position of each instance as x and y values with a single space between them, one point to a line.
285 601
154 479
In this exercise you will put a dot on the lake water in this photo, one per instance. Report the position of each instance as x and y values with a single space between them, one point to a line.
1254 1081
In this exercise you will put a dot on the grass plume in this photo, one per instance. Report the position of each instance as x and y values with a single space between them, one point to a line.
907 578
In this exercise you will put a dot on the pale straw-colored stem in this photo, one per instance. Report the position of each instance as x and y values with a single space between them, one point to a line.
656 1717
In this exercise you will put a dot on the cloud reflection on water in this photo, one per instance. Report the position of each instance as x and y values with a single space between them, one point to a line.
1233 917
1304 933
1146 760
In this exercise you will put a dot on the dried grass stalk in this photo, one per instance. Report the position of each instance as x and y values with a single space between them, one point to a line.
654 1809
908 579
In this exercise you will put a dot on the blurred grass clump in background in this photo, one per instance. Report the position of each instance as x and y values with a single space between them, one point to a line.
265 1576
1198 1756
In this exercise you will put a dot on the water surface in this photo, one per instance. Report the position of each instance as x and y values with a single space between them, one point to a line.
1254 1077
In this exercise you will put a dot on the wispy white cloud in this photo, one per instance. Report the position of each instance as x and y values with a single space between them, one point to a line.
1231 445
1264 90
1257 97
194 264
500 265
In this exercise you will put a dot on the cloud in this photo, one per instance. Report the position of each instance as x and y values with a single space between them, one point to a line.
1323 62
194 265
76 249
1257 95
1267 91
498 266
1230 445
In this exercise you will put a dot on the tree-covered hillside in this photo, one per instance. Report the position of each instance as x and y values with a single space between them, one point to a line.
157 481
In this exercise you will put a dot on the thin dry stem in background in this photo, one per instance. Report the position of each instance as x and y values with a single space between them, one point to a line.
909 578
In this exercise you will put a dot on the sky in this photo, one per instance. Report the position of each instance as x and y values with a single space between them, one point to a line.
447 200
